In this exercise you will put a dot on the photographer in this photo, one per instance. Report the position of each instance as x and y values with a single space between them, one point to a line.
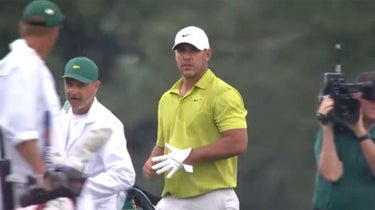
345 158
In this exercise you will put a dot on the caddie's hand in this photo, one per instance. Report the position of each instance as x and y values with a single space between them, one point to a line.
59 159
172 161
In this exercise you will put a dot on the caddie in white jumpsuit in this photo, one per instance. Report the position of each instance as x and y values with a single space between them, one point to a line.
111 170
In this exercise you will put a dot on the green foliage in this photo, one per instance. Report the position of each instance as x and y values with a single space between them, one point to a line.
275 52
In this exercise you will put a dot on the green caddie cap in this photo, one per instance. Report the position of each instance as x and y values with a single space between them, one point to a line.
43 13
82 69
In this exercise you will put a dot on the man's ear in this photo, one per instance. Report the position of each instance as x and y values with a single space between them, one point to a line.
208 54
97 84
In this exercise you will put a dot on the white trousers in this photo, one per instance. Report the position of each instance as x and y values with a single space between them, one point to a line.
225 199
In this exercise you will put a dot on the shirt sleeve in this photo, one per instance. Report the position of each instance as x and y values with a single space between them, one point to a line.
228 110
21 104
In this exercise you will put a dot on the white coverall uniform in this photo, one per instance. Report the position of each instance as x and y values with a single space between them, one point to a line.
111 170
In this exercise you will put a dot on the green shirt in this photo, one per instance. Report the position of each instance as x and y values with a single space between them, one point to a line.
355 190
195 120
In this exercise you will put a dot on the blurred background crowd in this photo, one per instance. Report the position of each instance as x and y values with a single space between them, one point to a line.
274 52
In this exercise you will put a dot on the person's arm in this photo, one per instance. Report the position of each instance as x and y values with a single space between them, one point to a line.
22 112
229 115
29 152
148 172
329 164
232 142
367 145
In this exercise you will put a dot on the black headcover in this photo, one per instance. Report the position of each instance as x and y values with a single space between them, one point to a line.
64 182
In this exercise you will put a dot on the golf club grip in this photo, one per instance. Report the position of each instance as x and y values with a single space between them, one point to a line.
47 140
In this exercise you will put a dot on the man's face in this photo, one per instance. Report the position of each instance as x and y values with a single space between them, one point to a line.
368 108
80 95
191 61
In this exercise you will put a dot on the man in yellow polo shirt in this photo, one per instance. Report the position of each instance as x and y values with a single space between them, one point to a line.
201 130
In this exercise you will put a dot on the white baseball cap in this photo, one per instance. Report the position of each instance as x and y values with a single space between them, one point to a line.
192 35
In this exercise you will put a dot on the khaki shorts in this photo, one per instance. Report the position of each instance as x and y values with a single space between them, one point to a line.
225 199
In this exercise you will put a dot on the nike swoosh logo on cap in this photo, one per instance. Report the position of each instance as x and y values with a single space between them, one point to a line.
185 35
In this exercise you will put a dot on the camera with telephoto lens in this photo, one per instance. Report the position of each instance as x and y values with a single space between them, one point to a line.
346 108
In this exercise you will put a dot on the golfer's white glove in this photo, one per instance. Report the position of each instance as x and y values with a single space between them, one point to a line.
173 161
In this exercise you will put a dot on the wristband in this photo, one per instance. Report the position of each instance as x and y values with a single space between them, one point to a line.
323 118
364 137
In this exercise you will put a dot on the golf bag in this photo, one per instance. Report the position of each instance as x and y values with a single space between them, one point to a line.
63 196
7 201
140 199
64 177
64 183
